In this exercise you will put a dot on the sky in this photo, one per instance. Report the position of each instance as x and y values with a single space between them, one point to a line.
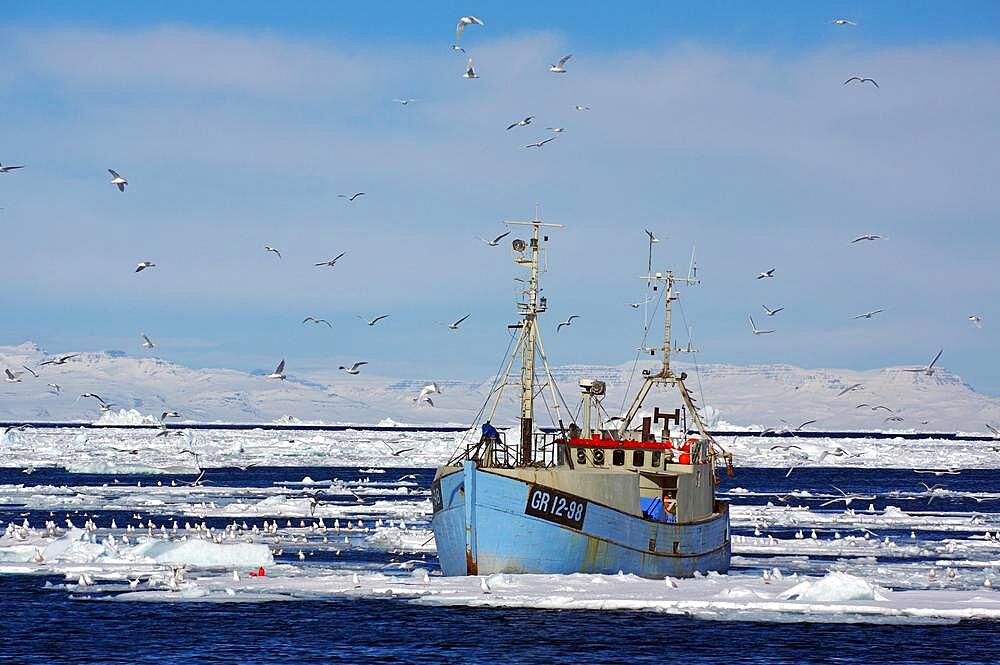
722 126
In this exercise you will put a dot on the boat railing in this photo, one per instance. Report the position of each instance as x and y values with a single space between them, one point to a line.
497 453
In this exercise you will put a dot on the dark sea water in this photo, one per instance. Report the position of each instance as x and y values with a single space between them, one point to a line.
43 625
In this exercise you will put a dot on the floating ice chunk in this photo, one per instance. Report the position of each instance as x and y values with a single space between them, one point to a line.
206 554
834 587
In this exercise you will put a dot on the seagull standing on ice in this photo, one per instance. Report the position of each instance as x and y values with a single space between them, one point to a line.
559 67
862 80
272 249
353 369
470 71
279 372
464 21
116 179
143 265
496 241
766 274
146 342
567 322
753 328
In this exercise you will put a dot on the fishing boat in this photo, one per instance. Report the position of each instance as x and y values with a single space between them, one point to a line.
632 493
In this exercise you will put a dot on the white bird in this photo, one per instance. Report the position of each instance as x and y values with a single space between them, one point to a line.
454 326
317 321
350 198
377 319
425 399
146 342
470 71
559 67
766 274
580 107
495 241
8 169
116 179
61 360
55 386
567 322
851 388
485 586
861 80
928 369
10 377
169 414
355 580
332 262
429 389
753 327
976 320
456 47
637 305
403 102
867 236
236 575
557 130
540 143
868 315
772 312
842 21
279 371
520 123
143 265
464 21
30 371
272 249
353 369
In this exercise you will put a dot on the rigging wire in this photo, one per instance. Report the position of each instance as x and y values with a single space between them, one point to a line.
694 355
642 345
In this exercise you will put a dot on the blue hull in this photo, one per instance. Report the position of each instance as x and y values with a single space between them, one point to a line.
482 526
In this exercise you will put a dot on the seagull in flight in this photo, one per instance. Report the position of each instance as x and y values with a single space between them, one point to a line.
766 274
169 414
557 130
272 249
867 236
567 322
377 319
496 241
843 21
637 305
116 179
862 80
559 67
331 262
851 388
454 326
540 143
353 369
429 389
146 342
464 21
279 371
30 371
520 123
8 169
753 327
403 102
846 498
395 453
309 318
10 377
61 360
929 369
868 315
772 312
976 320
55 386
470 71
350 198
652 238
143 265
456 47
580 107
95 396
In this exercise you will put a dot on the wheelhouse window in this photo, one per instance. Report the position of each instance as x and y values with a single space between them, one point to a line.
657 459
638 457
618 457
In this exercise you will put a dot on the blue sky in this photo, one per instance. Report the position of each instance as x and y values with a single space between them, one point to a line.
724 125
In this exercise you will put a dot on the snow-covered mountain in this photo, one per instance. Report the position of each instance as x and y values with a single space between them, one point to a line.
755 396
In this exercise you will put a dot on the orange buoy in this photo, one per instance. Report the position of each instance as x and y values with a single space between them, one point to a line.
685 457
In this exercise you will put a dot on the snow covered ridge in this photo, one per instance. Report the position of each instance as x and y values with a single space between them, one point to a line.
757 397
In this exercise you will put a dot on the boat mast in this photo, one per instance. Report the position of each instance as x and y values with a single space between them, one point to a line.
529 311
